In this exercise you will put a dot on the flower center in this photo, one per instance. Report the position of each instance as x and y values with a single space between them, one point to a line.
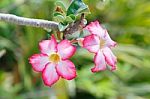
54 58
102 43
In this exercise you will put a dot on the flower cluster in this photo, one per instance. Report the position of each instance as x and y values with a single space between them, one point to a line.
53 60
99 42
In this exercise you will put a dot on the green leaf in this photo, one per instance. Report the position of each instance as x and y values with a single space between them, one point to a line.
59 18
84 9
77 7
70 18
57 13
62 26
61 4
48 36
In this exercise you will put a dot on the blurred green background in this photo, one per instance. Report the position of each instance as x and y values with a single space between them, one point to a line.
128 23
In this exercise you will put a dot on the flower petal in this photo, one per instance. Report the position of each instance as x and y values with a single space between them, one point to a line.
38 62
99 61
110 57
50 75
65 49
109 41
91 43
48 46
66 69
95 28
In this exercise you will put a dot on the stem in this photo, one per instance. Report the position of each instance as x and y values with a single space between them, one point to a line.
28 21
76 26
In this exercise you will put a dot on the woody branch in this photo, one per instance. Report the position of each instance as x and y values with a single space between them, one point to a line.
10 18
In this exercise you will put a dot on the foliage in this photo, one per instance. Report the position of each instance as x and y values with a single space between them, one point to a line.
65 16
128 22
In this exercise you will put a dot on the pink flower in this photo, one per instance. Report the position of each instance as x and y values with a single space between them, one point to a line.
99 42
53 61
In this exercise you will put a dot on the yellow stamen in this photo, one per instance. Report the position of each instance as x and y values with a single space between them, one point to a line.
54 58
102 43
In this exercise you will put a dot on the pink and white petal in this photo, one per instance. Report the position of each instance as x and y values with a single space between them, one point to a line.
49 74
66 69
110 57
48 46
91 43
65 49
109 41
38 62
96 28
99 61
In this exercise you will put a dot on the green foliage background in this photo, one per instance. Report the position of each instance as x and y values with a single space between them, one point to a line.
128 23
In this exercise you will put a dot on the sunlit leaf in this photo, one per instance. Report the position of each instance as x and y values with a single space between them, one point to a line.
76 7
72 16
69 19
59 18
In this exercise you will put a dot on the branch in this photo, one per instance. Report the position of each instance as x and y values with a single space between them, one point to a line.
28 21
76 26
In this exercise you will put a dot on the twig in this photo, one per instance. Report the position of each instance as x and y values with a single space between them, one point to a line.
76 26
28 21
